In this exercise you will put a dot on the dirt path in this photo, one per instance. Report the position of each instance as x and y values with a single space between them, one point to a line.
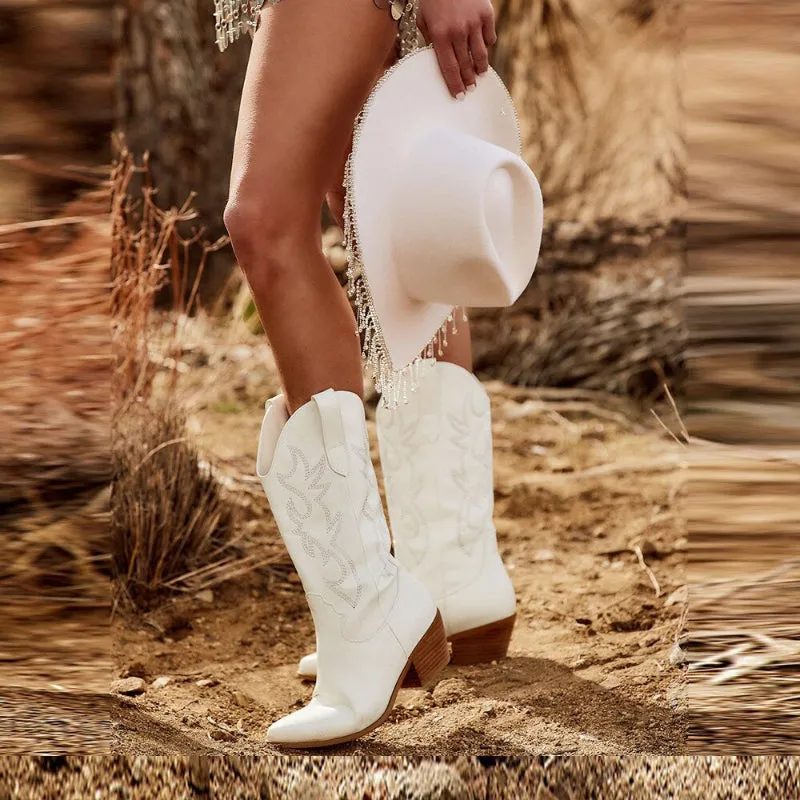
589 670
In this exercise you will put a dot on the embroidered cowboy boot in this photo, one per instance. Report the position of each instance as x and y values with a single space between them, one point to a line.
376 625
436 452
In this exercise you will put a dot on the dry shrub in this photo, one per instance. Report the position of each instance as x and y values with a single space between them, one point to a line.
169 516
614 329
56 357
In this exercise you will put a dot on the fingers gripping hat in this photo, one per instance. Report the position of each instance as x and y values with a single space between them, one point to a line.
441 212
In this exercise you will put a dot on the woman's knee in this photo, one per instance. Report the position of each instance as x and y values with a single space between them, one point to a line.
251 220
265 228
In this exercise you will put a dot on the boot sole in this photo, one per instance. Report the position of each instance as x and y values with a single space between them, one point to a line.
427 661
480 645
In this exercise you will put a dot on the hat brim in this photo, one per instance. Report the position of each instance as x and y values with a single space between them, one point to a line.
411 100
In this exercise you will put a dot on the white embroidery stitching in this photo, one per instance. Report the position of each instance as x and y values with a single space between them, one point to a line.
328 549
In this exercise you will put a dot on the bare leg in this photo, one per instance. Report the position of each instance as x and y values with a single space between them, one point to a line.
312 65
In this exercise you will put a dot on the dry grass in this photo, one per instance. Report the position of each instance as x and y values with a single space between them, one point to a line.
744 631
616 330
169 516
742 637
54 335
597 86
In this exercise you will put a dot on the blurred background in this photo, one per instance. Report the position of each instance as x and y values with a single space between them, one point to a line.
56 89
743 308
609 379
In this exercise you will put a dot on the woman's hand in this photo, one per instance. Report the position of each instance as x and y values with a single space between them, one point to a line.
461 32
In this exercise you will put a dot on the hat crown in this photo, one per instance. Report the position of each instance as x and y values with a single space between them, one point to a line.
464 227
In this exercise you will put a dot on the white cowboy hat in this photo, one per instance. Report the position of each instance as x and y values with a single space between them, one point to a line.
442 209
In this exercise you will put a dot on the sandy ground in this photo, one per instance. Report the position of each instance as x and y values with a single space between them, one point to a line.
578 483
589 669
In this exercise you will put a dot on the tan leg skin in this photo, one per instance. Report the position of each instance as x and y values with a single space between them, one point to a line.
312 65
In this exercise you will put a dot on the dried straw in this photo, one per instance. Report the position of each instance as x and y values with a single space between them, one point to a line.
744 631
169 516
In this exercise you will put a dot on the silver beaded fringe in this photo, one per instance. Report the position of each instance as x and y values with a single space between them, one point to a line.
235 18
408 34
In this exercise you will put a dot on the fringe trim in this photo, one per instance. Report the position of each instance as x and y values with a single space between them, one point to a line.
408 38
234 18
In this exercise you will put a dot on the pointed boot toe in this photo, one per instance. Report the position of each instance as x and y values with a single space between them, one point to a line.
315 725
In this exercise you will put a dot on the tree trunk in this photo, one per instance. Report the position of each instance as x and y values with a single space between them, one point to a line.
178 99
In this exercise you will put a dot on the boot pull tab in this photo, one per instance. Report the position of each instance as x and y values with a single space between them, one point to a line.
332 430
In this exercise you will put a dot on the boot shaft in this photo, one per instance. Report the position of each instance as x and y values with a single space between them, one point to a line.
436 454
317 473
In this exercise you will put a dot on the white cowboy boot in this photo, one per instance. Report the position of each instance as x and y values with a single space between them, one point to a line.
375 623
436 452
